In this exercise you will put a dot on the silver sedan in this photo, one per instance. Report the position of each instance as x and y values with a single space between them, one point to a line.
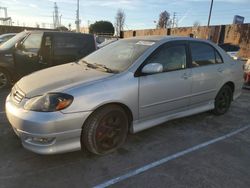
127 86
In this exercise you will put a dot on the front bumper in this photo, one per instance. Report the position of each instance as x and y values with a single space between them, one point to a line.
46 132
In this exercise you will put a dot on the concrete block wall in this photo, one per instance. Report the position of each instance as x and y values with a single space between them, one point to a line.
238 34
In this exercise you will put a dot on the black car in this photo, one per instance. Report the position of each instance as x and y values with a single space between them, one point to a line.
231 49
5 37
30 51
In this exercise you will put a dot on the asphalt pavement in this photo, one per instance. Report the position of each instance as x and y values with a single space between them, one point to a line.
224 163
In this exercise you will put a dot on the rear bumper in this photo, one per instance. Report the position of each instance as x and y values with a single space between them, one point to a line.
46 132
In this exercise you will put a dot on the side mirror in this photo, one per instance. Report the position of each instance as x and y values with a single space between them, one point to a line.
18 45
152 68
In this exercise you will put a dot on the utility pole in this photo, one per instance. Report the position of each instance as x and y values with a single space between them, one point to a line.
6 20
61 20
174 20
56 16
209 17
78 21
210 12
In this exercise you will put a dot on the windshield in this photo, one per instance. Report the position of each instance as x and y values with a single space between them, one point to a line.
10 43
119 55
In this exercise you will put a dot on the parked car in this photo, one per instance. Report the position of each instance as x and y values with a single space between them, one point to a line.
247 75
129 85
5 37
231 49
31 51
106 42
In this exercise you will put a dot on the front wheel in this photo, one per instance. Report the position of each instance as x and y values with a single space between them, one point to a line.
223 100
5 80
105 130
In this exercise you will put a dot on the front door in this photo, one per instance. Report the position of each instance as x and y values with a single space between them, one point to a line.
27 57
167 92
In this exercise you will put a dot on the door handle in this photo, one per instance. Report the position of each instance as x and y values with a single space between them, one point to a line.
41 61
186 76
220 69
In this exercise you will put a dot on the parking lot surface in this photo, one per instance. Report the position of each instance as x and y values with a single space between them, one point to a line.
225 163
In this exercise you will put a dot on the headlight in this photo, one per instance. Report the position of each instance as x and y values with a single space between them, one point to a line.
49 102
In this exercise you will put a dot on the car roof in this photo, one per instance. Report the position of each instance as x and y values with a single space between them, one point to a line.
166 38
52 31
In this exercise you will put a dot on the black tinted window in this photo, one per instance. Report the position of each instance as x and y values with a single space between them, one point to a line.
74 44
64 41
202 54
171 57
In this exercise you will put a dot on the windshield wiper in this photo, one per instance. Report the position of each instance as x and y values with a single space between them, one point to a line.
100 66
104 67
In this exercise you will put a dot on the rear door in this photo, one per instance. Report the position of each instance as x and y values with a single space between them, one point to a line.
67 47
167 92
207 69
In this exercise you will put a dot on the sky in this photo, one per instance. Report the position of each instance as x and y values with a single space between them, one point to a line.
140 14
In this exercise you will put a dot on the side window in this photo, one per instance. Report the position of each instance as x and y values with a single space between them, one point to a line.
204 54
48 42
171 57
33 42
66 42
88 44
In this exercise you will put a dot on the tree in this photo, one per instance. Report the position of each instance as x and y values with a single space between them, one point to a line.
197 24
164 20
119 21
104 27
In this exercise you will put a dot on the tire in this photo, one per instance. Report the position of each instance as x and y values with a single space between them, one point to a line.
5 79
223 100
105 130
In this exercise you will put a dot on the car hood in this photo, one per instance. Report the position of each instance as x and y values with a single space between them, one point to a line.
4 51
59 78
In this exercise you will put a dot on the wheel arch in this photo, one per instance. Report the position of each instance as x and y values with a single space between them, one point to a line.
231 85
122 105
10 73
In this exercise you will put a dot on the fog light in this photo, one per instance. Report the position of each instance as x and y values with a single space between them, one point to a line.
40 140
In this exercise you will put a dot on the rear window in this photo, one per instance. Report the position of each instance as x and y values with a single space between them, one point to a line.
64 41
70 43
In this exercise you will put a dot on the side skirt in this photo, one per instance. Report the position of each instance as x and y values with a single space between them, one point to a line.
142 125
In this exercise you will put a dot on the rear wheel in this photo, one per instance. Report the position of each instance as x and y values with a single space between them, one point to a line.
105 130
223 100
5 79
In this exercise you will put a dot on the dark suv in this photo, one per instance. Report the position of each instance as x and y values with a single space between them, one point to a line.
30 51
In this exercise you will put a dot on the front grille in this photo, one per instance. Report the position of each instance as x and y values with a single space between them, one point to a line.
17 95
